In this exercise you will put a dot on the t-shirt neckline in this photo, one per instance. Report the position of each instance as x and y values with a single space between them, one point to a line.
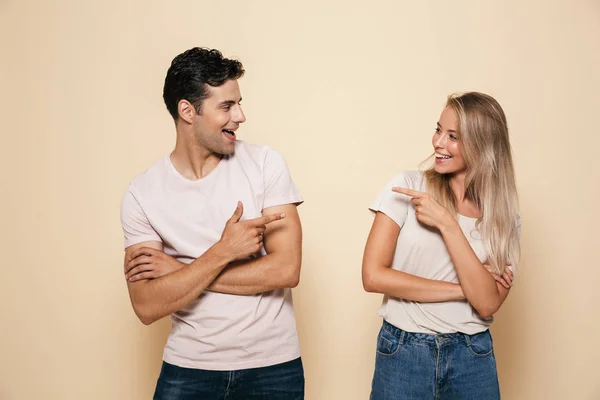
194 181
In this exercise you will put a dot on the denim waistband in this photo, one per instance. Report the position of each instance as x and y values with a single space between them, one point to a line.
430 338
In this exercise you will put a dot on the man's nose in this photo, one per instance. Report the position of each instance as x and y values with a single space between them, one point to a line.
239 116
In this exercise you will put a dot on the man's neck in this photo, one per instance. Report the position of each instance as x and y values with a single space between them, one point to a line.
192 160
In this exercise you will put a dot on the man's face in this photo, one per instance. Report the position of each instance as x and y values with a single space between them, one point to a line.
220 116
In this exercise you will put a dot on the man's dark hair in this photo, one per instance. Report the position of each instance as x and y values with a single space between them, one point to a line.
191 71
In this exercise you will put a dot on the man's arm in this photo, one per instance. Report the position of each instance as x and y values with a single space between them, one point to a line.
279 268
378 277
153 299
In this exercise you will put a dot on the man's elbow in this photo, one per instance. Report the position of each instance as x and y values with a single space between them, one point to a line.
147 320
292 278
144 314
293 282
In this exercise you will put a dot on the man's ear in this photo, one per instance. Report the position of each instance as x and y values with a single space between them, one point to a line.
186 111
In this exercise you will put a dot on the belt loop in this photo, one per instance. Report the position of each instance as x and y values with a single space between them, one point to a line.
401 338
467 339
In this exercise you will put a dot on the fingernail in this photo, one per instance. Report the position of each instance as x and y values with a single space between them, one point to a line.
282 215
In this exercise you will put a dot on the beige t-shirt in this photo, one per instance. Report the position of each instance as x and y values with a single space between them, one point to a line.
216 331
421 251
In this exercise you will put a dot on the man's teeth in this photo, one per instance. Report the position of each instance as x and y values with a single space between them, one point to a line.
442 156
228 131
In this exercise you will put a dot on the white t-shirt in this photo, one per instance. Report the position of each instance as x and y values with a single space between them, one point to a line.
421 251
216 331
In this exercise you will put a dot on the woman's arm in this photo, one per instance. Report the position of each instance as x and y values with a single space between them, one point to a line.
481 289
378 277
479 286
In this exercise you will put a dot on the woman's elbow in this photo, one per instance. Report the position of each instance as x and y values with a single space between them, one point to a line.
486 311
485 314
369 282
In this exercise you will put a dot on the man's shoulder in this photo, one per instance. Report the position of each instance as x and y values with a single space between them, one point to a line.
150 177
245 149
259 154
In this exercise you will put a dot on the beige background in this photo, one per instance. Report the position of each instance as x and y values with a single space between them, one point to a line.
349 92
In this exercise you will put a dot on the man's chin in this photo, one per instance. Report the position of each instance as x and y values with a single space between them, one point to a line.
226 150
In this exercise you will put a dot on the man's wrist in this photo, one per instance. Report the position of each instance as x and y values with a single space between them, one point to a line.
220 254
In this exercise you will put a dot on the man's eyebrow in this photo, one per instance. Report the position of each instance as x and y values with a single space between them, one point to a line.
230 102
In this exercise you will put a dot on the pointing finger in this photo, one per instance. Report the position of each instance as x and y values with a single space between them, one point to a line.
267 219
408 192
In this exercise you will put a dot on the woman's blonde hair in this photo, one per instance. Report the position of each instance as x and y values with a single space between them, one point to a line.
490 179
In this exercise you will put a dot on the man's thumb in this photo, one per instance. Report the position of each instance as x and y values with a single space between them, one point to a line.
237 214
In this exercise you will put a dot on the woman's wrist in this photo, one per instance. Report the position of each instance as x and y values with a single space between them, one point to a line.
460 295
448 225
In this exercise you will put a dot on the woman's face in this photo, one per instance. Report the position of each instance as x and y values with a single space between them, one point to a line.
446 144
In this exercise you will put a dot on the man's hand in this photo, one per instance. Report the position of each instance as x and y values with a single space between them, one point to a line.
239 241
148 263
243 239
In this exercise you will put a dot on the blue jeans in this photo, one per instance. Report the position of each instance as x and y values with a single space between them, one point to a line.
277 382
416 366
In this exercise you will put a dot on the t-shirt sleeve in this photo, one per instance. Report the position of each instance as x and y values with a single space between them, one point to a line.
279 187
392 204
136 227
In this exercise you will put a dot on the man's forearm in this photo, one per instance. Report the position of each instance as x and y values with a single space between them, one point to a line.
258 275
156 298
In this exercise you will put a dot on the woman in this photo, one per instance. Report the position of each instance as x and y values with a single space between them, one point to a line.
447 234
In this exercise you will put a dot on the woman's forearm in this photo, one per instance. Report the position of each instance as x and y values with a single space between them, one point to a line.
410 287
479 286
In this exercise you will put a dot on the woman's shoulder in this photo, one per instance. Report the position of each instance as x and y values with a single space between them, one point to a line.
409 179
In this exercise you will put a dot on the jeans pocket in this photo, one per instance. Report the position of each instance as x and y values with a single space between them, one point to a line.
480 344
387 343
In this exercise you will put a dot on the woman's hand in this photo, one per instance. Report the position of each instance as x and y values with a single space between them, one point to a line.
506 279
427 209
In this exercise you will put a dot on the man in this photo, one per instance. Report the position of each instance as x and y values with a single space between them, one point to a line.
213 238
